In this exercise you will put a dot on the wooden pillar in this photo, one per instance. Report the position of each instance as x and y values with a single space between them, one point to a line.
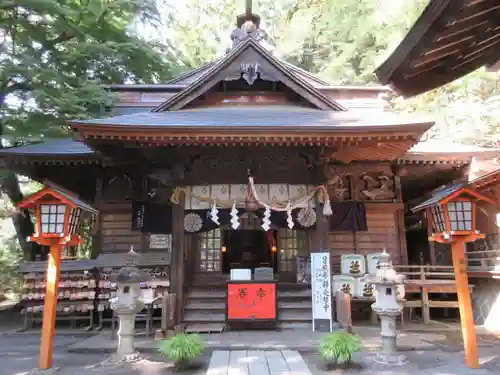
50 307
96 232
321 241
177 262
320 238
432 245
464 303
424 295
400 219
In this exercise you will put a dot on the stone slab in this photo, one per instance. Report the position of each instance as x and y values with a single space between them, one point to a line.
257 362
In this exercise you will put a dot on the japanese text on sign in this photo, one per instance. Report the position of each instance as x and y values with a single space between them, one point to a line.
251 301
321 286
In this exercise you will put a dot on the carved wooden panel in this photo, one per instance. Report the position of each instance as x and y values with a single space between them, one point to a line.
117 188
338 183
376 187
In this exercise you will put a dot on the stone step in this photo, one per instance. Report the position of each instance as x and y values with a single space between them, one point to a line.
204 317
205 306
295 294
206 295
204 328
295 304
294 316
295 325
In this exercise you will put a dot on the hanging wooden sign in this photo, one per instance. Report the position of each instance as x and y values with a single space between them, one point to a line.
160 241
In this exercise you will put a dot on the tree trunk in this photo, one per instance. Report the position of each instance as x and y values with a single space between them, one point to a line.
10 185
22 220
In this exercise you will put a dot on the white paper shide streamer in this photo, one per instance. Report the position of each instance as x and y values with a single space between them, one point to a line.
289 218
214 214
235 221
266 220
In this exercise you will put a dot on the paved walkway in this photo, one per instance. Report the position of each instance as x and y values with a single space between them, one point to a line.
257 362
263 340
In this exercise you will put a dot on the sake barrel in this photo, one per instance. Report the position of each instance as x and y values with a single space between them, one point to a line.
372 262
343 283
353 264
364 288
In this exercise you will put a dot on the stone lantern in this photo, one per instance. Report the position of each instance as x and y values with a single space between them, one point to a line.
127 304
387 307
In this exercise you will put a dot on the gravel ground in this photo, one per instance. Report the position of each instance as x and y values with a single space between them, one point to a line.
418 362
19 356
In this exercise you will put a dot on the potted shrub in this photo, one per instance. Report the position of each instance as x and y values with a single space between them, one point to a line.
183 349
338 348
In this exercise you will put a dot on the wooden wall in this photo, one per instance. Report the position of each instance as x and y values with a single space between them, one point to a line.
384 231
115 229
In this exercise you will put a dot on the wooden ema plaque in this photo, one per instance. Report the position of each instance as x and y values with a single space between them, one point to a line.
251 301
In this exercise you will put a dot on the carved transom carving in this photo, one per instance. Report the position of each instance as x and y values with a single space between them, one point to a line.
379 187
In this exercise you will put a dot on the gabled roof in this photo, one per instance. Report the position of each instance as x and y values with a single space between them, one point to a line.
450 39
194 74
249 51
449 193
59 193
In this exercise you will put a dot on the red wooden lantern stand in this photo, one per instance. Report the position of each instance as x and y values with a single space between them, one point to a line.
58 215
453 213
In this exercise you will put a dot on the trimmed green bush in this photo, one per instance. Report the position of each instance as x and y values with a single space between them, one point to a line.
339 347
182 348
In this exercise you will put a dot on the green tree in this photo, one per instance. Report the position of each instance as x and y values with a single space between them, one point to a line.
55 57
466 110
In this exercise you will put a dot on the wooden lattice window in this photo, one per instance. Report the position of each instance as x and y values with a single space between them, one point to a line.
288 249
210 245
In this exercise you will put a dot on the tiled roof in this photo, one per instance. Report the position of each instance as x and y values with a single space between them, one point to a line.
54 147
254 117
437 196
201 84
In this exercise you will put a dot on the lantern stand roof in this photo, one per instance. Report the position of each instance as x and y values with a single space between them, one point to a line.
448 193
59 193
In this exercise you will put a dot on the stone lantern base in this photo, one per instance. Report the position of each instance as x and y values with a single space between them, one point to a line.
389 359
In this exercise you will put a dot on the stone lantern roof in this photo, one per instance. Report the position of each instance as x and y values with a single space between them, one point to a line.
386 274
130 274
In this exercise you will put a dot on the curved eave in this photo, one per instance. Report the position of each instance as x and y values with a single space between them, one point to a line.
317 135
12 160
449 40
486 180
458 158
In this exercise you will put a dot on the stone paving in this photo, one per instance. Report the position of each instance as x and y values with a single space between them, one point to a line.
264 340
19 355
257 362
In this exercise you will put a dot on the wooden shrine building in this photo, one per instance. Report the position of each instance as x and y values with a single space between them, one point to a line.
170 167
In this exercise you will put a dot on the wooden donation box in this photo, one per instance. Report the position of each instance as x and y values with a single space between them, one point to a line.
251 302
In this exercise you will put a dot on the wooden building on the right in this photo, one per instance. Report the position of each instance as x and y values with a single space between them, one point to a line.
449 40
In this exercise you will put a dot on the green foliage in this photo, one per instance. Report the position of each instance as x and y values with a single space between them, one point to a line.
182 347
10 257
56 56
339 346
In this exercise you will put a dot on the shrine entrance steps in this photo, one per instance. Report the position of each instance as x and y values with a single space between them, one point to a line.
204 311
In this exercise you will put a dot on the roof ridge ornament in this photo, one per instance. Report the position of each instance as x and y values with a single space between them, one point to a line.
248 27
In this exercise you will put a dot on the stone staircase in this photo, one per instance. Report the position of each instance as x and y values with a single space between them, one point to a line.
204 311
